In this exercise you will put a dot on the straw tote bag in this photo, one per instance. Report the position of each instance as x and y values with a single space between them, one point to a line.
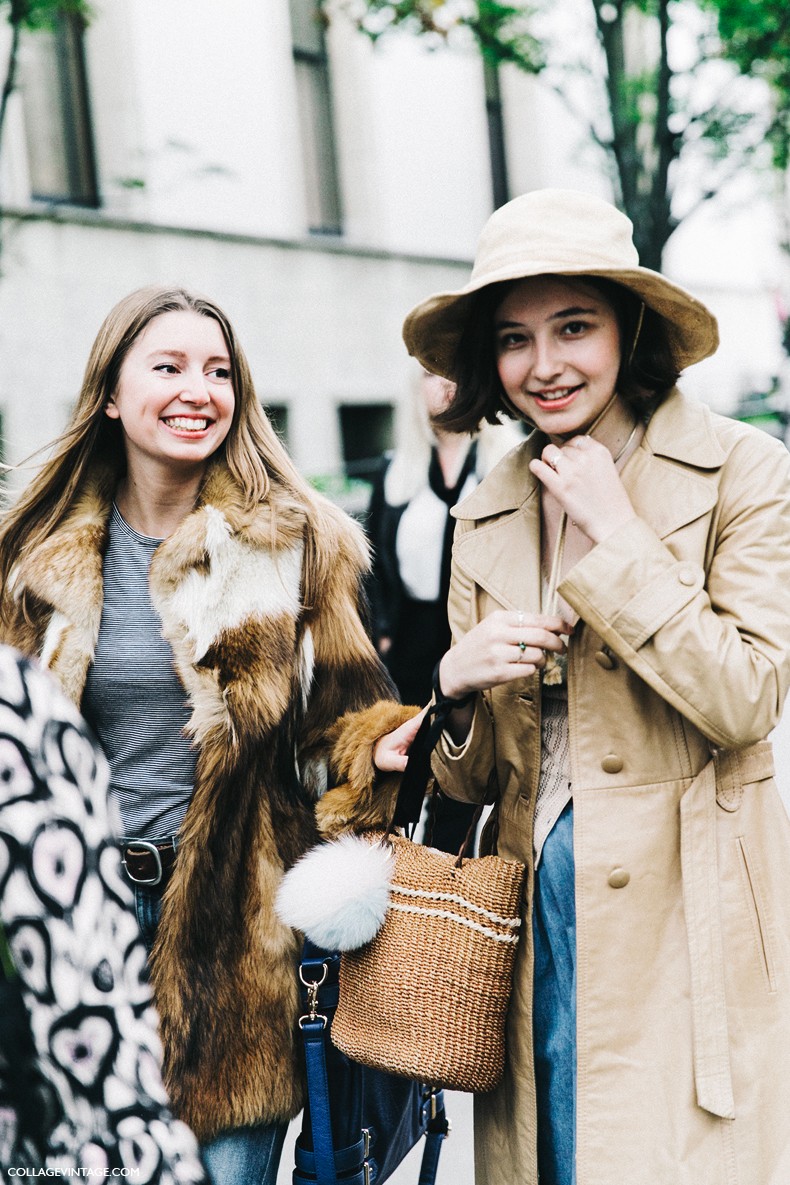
428 996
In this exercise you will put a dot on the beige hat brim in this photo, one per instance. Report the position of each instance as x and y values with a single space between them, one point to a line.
433 328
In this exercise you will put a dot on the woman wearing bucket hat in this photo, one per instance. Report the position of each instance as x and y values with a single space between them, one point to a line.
619 607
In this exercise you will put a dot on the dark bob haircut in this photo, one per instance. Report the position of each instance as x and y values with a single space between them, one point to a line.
648 370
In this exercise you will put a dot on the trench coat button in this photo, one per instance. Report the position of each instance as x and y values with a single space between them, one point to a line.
605 660
687 576
619 878
612 764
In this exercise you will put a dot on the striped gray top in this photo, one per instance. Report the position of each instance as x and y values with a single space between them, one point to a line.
133 699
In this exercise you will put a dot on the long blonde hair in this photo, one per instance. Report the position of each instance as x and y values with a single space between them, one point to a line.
252 450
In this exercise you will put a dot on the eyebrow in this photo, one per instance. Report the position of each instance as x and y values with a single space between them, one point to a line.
181 355
574 311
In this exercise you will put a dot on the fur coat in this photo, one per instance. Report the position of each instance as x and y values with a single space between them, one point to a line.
267 677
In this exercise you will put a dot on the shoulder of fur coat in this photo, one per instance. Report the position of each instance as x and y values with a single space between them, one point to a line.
257 551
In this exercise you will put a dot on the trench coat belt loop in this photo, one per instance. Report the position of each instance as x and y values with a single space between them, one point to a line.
699 865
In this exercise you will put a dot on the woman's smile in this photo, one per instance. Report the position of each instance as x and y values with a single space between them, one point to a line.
191 425
556 400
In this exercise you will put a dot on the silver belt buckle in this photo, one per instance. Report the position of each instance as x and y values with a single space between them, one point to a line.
147 847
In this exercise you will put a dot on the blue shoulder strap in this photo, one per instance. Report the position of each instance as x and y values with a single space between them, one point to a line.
325 1164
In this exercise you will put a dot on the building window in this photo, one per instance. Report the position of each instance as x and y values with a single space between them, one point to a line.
496 136
277 415
365 434
314 98
53 83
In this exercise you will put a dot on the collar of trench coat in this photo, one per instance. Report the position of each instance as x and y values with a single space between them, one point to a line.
665 480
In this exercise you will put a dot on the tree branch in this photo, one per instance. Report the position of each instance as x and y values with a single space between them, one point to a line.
10 77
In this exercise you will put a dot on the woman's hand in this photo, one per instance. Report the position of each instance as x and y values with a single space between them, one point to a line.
505 645
583 478
392 750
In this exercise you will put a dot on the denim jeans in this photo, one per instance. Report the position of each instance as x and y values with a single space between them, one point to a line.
554 1005
245 1155
241 1156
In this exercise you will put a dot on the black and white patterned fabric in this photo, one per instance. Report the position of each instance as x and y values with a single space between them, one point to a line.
69 921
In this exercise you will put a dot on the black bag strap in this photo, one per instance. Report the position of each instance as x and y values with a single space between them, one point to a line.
417 774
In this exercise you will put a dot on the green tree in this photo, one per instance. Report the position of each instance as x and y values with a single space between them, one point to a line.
662 95
755 36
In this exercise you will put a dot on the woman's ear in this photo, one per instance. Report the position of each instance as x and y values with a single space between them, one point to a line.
110 408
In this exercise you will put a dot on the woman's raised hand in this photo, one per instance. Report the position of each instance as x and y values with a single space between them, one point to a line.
505 645
583 478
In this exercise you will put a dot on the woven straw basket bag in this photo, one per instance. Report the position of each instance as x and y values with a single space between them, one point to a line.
428 997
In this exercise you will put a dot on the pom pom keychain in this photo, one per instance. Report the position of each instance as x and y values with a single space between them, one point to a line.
338 893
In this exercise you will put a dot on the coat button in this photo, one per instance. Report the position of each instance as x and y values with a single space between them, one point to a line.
687 576
612 764
619 878
605 660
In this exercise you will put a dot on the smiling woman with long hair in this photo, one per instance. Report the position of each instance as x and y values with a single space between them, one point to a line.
200 602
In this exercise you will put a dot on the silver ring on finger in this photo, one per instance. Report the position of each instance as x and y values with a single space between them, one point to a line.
522 646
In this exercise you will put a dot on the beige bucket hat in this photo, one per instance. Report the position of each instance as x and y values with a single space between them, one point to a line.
558 232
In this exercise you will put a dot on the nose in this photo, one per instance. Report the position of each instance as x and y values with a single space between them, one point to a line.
195 389
546 362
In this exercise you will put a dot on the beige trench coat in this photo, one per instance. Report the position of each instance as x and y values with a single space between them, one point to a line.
677 671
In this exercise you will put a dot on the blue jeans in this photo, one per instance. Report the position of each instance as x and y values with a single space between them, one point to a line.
243 1155
554 1004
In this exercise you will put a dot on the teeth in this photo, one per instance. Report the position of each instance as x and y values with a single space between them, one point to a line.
185 424
550 397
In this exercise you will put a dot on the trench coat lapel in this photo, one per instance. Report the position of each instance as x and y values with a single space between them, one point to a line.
502 555
668 478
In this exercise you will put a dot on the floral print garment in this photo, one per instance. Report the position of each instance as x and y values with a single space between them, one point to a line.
69 920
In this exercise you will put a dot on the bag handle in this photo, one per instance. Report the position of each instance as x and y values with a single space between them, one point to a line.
417 774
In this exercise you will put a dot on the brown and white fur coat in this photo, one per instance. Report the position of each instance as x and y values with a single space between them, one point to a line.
267 677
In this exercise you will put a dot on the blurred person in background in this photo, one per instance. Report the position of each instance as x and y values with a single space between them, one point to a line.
80 1081
411 530
199 600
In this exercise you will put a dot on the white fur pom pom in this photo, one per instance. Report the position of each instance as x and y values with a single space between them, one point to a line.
338 893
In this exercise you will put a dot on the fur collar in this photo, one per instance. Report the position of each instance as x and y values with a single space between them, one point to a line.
224 564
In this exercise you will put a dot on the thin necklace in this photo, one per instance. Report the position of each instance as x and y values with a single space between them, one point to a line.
624 449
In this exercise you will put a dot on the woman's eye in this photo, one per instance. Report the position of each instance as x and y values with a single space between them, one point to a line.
574 328
220 372
167 367
507 341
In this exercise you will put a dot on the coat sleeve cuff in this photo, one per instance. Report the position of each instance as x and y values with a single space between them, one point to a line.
630 585
364 798
464 771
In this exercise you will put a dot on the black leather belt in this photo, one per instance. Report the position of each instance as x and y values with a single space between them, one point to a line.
148 863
